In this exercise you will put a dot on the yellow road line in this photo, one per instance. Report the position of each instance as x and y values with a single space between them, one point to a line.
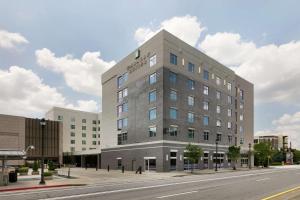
281 193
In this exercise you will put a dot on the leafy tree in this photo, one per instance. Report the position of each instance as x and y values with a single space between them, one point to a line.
51 165
296 158
234 154
263 152
277 156
193 153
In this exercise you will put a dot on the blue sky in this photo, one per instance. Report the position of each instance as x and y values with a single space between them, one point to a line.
109 27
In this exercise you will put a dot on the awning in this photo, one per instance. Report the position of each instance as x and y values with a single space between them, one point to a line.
12 154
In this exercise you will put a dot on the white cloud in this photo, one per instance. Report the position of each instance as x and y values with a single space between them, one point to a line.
188 28
274 69
287 124
24 93
10 40
82 75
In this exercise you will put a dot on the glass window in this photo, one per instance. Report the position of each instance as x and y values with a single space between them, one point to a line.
241 140
83 120
73 134
83 149
205 120
94 128
173 95
125 107
120 109
205 75
206 135
173 59
191 67
219 137
72 126
172 77
173 113
191 84
191 100
72 141
94 121
173 130
241 117
229 99
125 122
229 139
241 94
120 96
152 60
191 133
72 149
229 112
152 131
229 125
83 127
218 94
229 86
125 92
83 134
191 117
241 105
120 81
152 78
120 124
152 96
60 117
218 123
83 142
152 114
94 135
218 109
94 143
125 77
205 105
205 90
218 80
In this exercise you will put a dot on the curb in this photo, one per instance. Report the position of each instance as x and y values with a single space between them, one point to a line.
39 187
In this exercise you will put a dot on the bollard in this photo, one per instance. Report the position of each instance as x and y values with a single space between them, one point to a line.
123 169
108 168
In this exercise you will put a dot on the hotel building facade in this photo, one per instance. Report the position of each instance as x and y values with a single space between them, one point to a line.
165 95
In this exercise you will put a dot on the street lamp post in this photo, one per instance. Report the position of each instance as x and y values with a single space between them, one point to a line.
43 124
249 157
216 157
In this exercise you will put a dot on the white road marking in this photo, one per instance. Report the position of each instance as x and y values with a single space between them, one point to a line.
154 186
263 179
172 195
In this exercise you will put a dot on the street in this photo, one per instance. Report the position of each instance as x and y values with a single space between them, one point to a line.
255 184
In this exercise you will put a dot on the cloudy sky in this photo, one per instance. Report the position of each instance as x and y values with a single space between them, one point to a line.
53 52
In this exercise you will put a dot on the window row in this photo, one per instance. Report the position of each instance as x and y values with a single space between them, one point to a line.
72 126
84 142
84 135
122 123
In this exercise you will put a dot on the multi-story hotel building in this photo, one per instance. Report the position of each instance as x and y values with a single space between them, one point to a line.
165 95
81 133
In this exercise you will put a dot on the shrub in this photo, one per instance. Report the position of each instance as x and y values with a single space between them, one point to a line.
23 170
51 165
47 173
35 166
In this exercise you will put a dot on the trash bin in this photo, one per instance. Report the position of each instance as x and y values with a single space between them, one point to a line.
13 177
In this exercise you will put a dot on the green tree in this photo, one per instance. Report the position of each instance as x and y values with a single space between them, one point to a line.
296 158
193 153
35 166
51 165
234 154
263 152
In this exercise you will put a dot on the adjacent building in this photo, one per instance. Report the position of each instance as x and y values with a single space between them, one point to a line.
17 133
277 141
165 95
81 134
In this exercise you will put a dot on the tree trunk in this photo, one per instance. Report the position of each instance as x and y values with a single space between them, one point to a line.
234 165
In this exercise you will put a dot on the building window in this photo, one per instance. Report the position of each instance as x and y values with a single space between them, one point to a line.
241 94
173 59
94 121
72 126
241 129
152 78
205 75
152 60
205 90
229 139
94 135
83 149
173 95
83 142
218 95
83 121
122 79
191 67
218 80
191 100
229 98
219 137
206 135
122 123
72 141
205 120
191 117
229 125
122 93
172 77
83 135
94 128
229 112
191 84
205 105
94 143
191 133
241 140
60 117
241 117
173 130
173 113
152 131
218 123
218 109
122 138
83 127
229 87
125 122
152 114
152 96
72 134
241 105
72 149
120 109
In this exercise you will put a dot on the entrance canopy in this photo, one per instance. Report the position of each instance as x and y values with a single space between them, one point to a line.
12 154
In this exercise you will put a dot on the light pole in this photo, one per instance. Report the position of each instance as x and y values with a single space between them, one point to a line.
43 124
249 157
216 157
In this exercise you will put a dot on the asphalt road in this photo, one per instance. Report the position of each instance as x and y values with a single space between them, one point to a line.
256 184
